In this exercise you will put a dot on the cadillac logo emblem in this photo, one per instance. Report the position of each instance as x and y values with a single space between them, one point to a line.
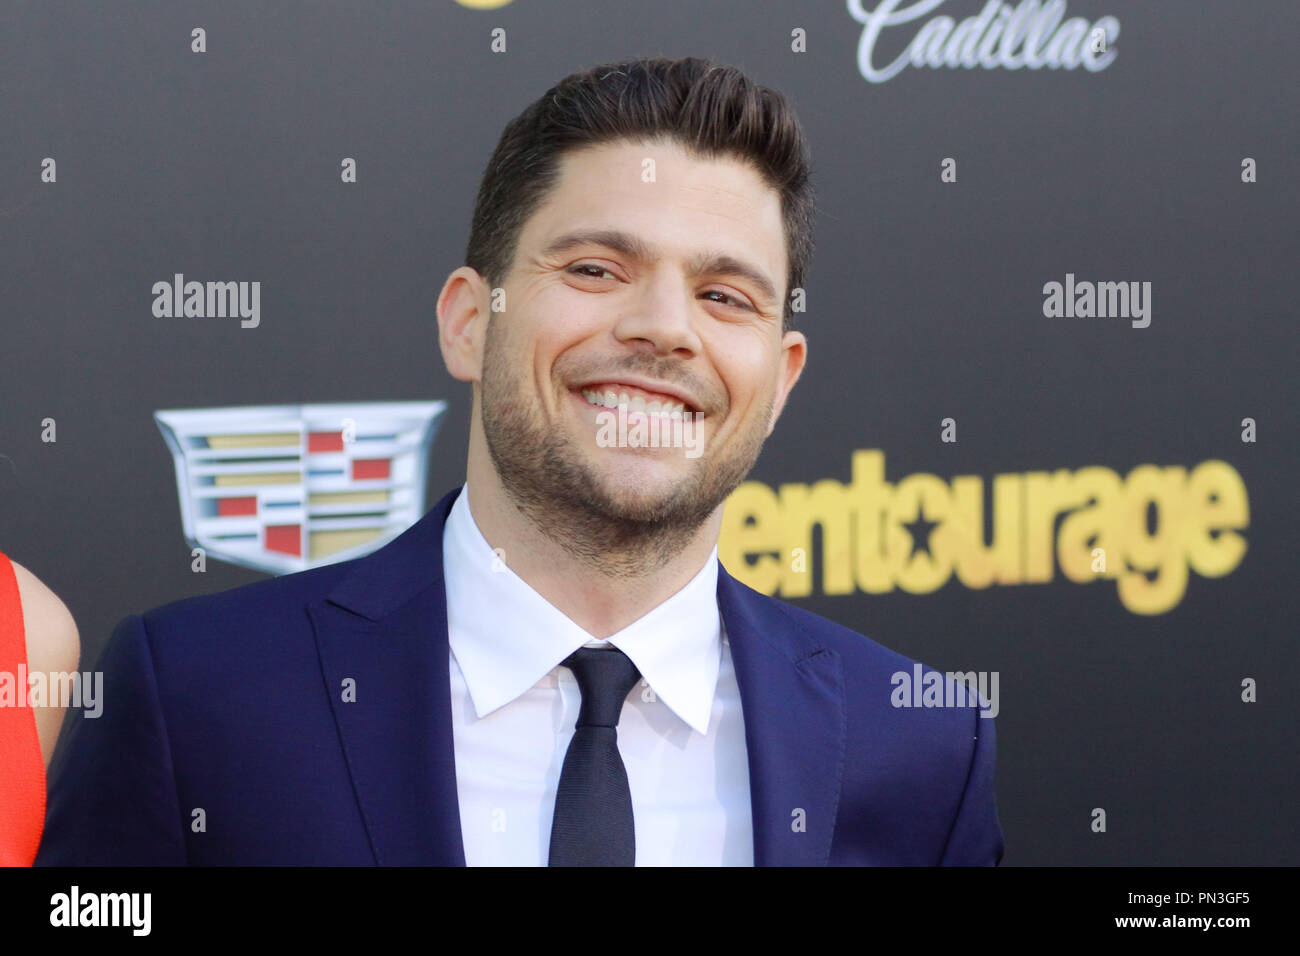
284 488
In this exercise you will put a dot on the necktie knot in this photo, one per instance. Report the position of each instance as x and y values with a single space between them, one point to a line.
605 678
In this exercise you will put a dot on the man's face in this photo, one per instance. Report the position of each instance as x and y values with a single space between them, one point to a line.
683 303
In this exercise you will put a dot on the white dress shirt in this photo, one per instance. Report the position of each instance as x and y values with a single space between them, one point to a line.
681 733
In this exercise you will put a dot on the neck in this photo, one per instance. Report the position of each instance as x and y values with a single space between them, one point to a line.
601 589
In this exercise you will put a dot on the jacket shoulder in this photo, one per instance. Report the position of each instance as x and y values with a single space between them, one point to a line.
296 589
869 667
247 613
852 646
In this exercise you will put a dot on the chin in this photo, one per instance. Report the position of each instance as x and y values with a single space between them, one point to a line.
634 494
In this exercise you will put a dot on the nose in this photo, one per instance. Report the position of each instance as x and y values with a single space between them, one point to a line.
663 315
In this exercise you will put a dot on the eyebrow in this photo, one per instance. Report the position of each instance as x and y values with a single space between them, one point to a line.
707 263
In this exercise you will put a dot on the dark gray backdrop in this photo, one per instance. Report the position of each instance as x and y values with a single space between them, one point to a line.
924 302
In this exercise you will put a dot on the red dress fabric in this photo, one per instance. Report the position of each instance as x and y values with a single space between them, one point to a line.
22 771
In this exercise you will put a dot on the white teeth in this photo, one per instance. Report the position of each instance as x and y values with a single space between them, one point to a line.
608 399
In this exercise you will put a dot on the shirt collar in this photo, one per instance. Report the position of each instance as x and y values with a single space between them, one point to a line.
507 637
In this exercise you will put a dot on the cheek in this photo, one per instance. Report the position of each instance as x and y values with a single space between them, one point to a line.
748 387
522 341
577 313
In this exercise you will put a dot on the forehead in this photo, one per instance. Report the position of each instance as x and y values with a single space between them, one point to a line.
677 203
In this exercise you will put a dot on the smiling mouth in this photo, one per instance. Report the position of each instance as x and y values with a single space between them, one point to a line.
636 401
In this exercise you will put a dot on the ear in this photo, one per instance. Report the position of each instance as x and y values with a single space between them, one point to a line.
462 323
794 352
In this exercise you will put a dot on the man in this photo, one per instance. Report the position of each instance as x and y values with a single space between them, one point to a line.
551 667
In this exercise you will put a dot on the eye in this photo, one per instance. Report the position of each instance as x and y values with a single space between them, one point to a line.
732 299
578 270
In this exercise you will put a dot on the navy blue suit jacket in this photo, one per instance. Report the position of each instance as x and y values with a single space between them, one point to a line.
224 737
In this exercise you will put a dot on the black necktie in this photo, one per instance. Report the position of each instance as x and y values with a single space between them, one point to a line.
593 805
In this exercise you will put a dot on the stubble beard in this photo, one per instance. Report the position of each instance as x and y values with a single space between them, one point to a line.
548 478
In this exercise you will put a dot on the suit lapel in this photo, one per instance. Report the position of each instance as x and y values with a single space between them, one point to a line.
792 698
384 627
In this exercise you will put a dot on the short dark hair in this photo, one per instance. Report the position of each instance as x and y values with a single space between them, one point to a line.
712 111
